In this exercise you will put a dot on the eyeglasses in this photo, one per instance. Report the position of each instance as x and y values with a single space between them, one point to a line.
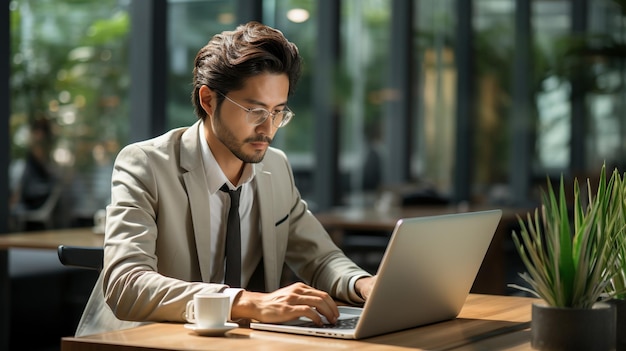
256 116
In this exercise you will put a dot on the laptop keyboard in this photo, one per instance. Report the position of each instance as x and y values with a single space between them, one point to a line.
347 323
342 323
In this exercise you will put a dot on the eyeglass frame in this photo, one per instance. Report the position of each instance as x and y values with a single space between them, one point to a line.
288 114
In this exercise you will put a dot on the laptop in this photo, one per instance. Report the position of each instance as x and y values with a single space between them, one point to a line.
425 276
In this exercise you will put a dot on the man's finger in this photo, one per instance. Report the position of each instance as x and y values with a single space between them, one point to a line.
324 306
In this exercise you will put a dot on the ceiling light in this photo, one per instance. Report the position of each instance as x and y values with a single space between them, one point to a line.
298 15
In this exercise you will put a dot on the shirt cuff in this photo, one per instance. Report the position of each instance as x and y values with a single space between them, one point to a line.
232 293
352 294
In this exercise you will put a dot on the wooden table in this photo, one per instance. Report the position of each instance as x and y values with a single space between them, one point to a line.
487 322
45 240
491 278
51 239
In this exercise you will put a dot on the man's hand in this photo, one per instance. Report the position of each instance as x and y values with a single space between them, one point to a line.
291 302
363 286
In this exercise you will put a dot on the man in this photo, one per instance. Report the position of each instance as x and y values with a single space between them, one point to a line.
167 227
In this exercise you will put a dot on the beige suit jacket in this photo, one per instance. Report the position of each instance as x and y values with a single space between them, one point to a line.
157 235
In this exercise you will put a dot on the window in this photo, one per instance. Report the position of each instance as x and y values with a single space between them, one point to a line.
191 26
69 69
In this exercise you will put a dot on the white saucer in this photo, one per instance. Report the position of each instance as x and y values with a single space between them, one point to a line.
213 331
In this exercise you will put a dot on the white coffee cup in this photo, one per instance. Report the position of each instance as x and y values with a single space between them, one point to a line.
208 310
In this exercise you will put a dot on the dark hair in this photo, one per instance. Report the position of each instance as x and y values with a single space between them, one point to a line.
234 56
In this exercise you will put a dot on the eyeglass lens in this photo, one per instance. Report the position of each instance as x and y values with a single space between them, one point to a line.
279 118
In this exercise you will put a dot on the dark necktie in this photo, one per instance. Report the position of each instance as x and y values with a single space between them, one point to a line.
232 276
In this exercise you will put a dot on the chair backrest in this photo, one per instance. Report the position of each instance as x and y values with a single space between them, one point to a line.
81 256
43 214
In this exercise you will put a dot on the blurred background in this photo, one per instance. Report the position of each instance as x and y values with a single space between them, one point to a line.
475 100
458 102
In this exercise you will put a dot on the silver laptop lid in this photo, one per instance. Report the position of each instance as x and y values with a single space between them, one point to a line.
425 275
427 270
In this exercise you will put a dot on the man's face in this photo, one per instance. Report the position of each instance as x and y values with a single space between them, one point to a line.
229 123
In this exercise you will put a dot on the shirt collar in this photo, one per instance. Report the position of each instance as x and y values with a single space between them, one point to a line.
214 174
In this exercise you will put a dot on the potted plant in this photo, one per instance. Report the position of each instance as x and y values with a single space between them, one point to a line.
567 262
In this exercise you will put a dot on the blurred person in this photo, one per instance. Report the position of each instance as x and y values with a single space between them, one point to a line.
166 226
35 176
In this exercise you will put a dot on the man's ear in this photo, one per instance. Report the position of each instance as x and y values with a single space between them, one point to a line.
207 100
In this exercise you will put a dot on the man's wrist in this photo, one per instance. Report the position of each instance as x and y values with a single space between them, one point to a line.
353 292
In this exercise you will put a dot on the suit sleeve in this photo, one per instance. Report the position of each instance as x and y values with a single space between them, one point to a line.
312 254
133 287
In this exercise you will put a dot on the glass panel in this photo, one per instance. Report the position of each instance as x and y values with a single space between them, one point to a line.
494 35
191 26
433 154
551 30
365 30
295 18
69 74
606 92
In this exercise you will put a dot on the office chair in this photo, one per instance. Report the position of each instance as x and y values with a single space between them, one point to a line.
81 256
43 214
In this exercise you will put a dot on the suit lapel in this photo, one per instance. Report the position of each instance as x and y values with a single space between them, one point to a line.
272 264
196 185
